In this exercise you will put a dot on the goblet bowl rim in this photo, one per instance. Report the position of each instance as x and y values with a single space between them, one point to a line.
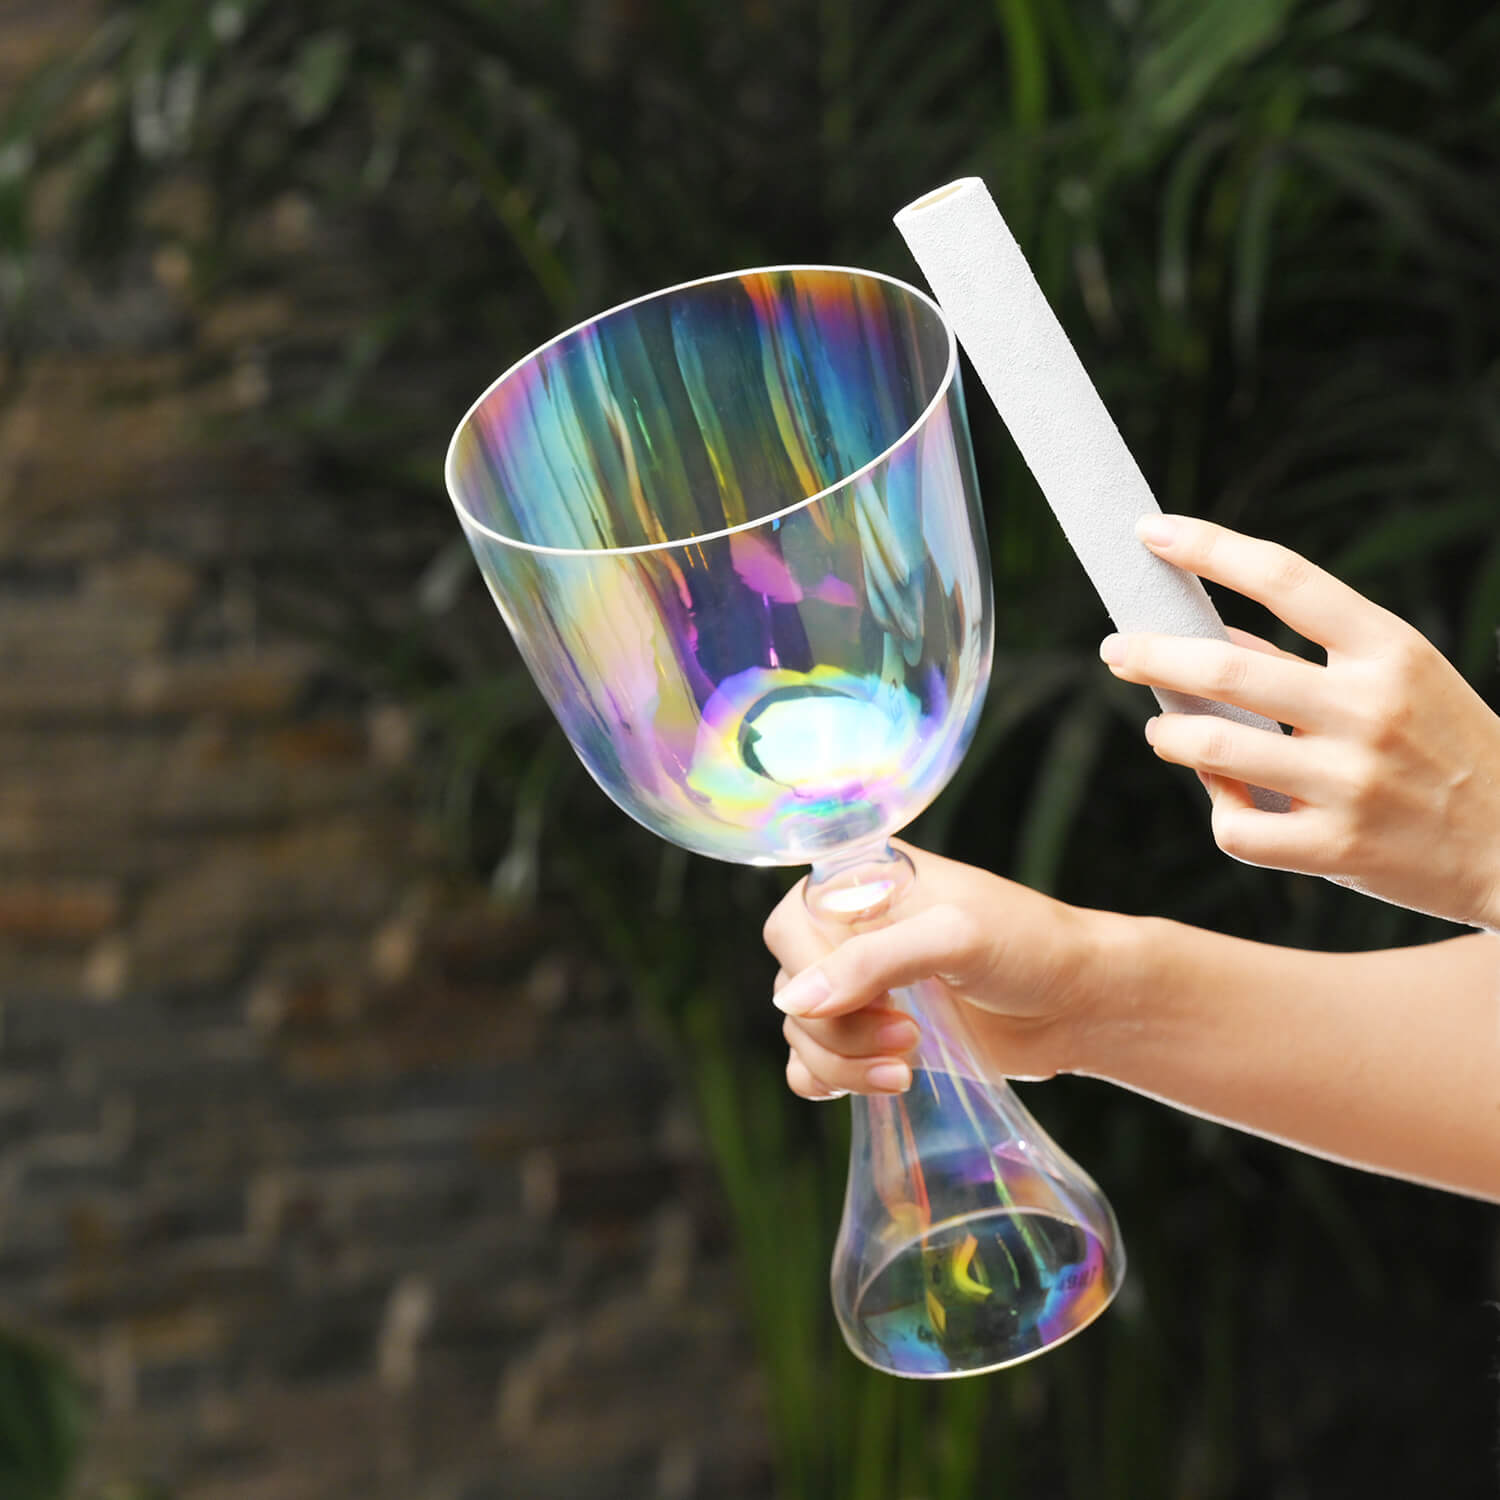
945 386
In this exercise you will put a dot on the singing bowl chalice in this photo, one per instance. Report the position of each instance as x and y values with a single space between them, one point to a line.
735 530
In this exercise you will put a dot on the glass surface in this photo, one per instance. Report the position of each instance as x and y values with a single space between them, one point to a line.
735 531
969 1241
732 529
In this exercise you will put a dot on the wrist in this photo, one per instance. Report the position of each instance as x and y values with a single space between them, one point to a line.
1120 990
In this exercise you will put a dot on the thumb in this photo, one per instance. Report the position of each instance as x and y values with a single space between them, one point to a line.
943 941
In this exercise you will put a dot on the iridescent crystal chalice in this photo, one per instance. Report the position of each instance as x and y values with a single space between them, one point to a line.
735 531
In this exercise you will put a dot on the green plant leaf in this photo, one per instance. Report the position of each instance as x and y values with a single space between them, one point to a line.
1196 45
1346 160
41 1422
1062 783
318 75
1028 61
1189 169
1409 535
1253 247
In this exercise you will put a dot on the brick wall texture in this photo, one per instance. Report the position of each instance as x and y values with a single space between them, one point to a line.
333 1180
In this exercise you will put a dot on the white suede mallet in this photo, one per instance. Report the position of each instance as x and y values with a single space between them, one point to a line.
1060 424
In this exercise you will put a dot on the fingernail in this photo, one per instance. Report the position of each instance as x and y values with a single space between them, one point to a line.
803 994
1157 531
889 1077
897 1036
1112 650
1151 729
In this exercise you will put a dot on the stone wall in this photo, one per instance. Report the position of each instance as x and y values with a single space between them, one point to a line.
333 1178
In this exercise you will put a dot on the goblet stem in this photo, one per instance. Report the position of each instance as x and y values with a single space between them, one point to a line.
863 889
969 1240
858 889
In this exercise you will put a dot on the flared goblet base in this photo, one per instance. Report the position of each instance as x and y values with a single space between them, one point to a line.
969 1240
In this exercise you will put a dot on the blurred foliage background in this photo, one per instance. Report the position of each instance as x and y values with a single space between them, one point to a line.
1272 228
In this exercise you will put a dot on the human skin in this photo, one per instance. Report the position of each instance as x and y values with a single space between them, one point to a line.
1393 763
1388 1060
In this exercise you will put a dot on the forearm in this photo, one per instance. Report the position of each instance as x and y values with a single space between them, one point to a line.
1388 1060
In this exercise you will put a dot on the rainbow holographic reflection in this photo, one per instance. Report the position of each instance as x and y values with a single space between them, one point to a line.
969 1241
734 530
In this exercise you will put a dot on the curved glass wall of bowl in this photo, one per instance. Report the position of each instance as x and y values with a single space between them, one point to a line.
735 531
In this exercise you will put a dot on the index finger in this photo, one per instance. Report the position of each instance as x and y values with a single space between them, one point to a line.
792 935
939 941
1314 603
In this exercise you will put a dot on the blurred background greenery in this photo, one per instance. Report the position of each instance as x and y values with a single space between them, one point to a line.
1272 228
